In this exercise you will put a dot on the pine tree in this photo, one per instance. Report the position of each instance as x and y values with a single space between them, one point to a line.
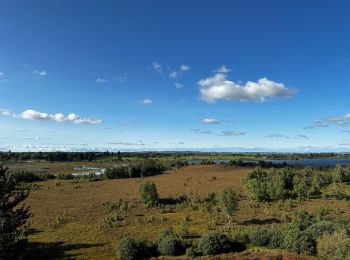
13 214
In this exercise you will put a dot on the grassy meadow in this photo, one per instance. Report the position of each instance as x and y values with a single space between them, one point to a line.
84 218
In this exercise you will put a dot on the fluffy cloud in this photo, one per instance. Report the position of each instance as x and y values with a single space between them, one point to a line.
157 67
59 117
6 113
41 73
218 87
178 85
222 70
101 80
2 77
185 67
147 102
210 121
173 74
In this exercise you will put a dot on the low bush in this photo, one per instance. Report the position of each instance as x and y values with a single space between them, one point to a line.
129 248
148 193
190 252
299 242
270 236
214 243
335 246
170 245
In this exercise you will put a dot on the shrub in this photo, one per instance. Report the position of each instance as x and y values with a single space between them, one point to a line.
129 248
190 252
301 220
299 242
184 232
148 193
259 236
165 232
214 243
170 245
335 246
270 236
321 228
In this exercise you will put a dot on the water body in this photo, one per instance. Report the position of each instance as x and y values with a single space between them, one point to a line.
303 162
314 162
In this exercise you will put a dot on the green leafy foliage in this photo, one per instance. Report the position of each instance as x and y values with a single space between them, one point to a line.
13 214
130 248
148 193
214 243
335 246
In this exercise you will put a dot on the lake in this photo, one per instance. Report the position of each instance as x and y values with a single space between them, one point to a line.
314 162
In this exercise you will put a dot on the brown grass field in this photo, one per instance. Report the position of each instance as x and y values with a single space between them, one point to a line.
68 217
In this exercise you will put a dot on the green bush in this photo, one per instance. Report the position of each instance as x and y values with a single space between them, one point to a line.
299 242
259 236
321 228
170 245
129 248
270 236
165 232
214 243
335 246
190 252
148 193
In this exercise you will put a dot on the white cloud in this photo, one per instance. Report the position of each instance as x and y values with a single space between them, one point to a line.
222 70
178 85
232 133
184 67
173 74
122 143
303 136
41 73
157 67
147 102
210 121
30 114
6 113
2 77
200 131
218 87
339 120
276 136
101 80
32 138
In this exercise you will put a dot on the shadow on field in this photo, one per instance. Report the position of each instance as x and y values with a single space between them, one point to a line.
54 250
255 221
172 201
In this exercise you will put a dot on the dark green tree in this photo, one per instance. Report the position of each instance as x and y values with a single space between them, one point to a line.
13 214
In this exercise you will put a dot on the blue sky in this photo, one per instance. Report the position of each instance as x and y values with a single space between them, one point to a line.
167 75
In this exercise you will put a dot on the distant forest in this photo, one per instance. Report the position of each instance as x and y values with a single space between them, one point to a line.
91 156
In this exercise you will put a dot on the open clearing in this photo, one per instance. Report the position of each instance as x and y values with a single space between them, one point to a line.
69 216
